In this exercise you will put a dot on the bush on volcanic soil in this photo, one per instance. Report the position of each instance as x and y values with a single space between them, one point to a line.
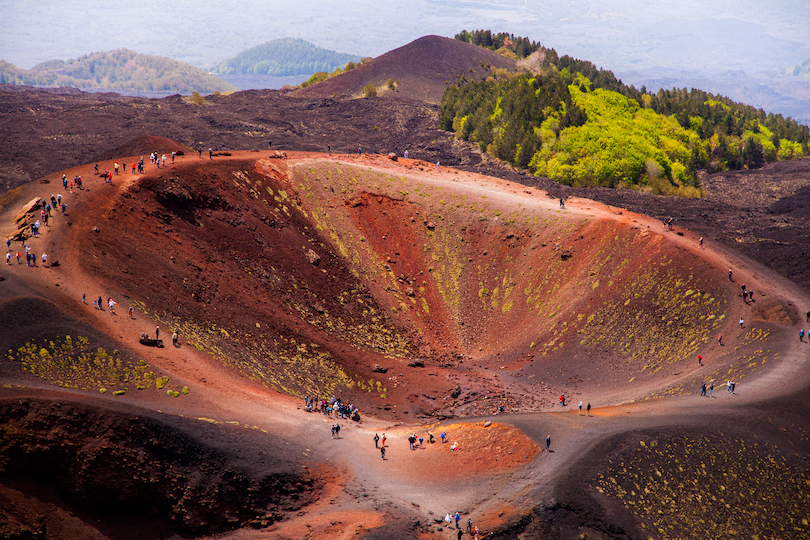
369 91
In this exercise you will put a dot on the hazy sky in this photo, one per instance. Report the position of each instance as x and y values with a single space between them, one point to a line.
616 34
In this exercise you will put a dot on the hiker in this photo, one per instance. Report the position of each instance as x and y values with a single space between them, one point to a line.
700 242
801 333
130 312
376 441
703 389
383 440
720 340
175 337
382 451
457 518
588 409
700 360
548 443
711 390
157 332
210 153
406 154
580 408
562 202
443 436
741 322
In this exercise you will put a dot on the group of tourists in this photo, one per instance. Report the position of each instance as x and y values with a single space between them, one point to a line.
471 530
45 208
137 166
331 406
30 256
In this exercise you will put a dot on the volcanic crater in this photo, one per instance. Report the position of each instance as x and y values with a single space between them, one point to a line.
415 292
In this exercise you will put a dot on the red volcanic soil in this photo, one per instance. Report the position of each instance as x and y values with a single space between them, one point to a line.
423 70
340 266
415 294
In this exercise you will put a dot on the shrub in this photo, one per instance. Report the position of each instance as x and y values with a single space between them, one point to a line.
370 91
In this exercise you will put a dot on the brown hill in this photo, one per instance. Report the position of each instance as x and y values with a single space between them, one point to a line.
144 145
424 69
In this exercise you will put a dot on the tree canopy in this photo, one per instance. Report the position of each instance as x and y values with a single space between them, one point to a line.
521 47
285 57
579 125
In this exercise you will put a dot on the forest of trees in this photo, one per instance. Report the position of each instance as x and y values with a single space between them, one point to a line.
581 126
285 57
119 69
521 47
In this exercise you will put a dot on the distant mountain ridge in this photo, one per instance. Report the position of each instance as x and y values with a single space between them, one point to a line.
799 70
118 69
284 57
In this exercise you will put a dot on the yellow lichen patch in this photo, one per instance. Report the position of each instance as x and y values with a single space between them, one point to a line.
76 364
718 487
